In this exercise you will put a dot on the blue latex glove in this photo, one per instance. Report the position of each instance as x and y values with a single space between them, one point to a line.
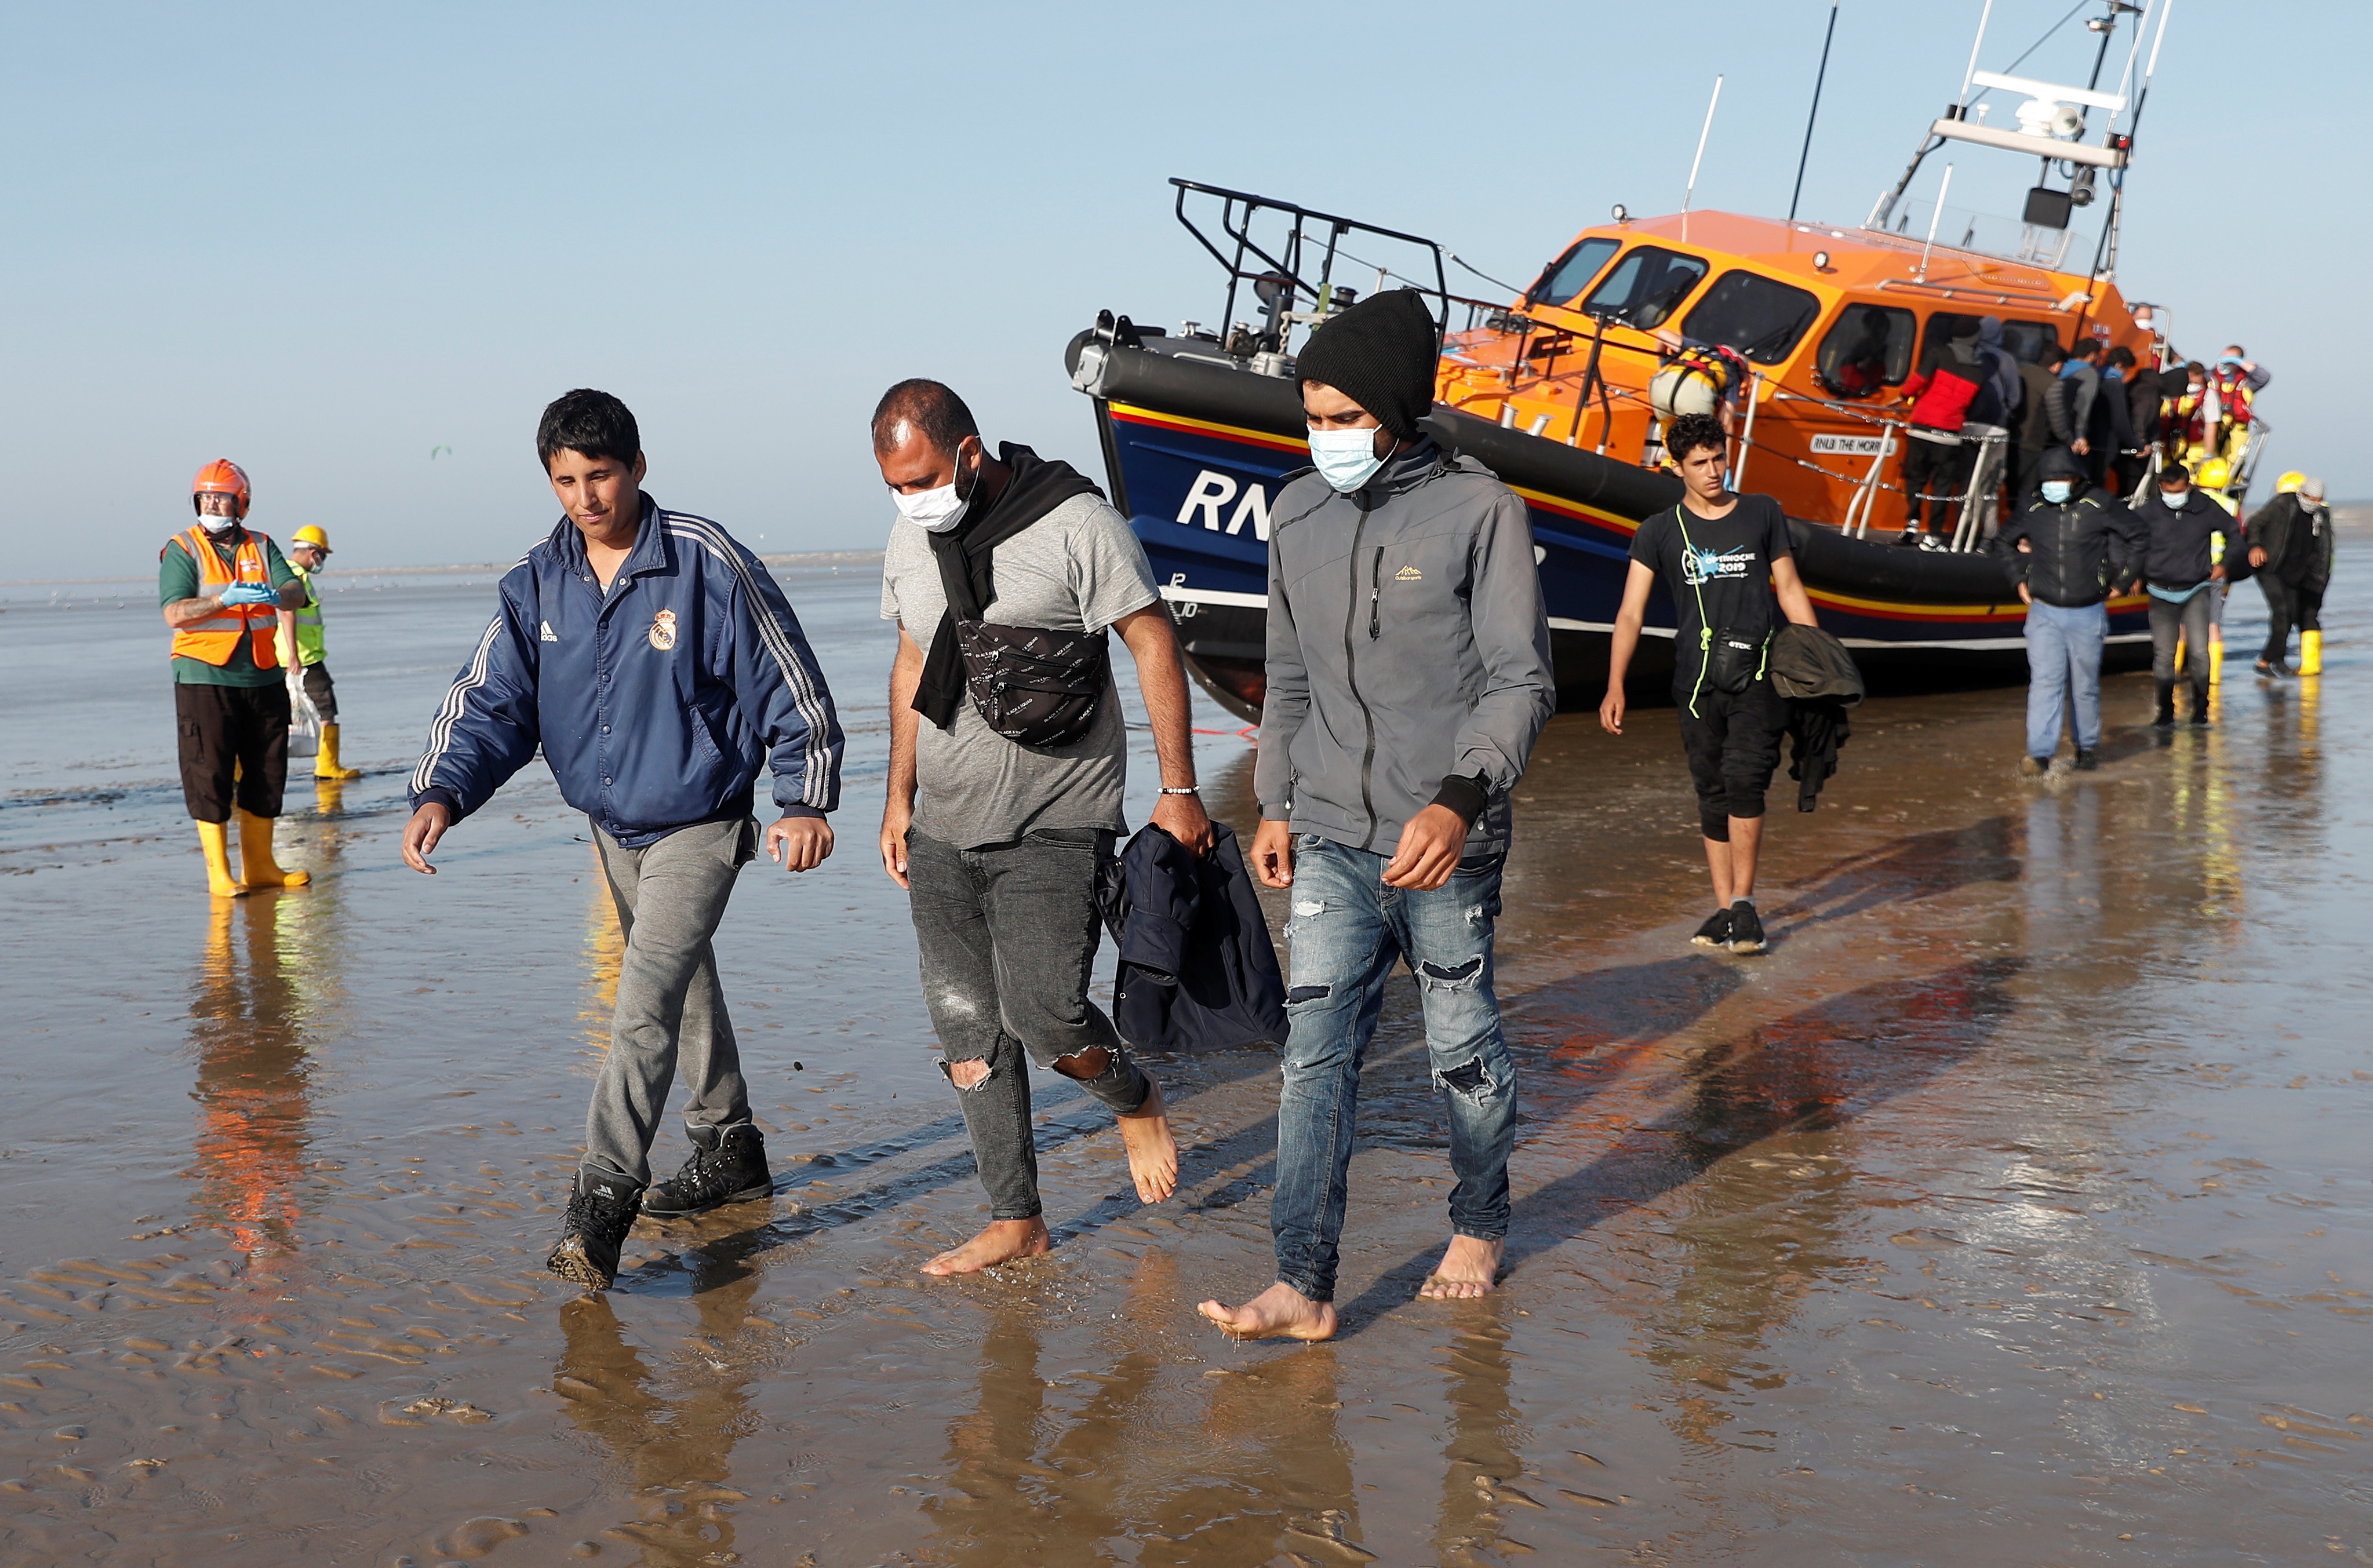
249 593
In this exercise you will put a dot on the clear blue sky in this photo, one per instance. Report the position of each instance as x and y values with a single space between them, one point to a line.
325 240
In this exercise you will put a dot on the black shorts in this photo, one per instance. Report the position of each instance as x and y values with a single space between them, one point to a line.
1733 741
323 693
234 740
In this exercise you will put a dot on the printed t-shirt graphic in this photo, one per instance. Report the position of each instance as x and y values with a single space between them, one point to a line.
1727 562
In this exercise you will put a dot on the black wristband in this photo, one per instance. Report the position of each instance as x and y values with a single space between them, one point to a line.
1466 796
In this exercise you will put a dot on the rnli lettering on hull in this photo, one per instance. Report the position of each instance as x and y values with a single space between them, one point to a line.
1212 491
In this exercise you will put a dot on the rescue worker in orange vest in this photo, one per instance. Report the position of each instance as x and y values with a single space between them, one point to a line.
303 651
225 593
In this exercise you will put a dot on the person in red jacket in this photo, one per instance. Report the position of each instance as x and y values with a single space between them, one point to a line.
1935 458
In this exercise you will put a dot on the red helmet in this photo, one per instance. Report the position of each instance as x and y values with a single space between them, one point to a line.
222 477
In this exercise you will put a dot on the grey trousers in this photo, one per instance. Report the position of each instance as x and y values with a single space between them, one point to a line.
1007 936
669 1020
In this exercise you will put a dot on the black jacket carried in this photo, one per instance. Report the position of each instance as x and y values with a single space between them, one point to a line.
1197 971
2296 540
2078 551
2179 539
2142 403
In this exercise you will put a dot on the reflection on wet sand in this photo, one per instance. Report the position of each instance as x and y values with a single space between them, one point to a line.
1480 1460
247 1013
1228 1466
671 1433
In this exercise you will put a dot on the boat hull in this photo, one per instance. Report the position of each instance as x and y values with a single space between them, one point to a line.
1196 452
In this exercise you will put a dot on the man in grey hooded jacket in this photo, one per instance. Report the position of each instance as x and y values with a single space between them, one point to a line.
1408 676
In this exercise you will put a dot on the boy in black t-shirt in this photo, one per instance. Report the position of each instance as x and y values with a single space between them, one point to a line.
1724 558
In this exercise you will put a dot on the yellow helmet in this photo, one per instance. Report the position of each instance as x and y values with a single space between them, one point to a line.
313 536
2215 474
2289 483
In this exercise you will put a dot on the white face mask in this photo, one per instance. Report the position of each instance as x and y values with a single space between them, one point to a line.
217 525
1346 459
935 511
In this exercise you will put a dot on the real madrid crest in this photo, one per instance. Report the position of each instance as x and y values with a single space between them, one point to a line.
663 629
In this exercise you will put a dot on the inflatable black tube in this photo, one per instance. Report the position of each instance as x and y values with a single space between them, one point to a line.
1827 559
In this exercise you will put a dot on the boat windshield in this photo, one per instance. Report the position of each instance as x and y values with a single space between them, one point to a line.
1566 276
1761 318
1647 285
2029 341
1868 351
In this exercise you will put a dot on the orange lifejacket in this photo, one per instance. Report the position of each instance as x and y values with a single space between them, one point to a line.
211 641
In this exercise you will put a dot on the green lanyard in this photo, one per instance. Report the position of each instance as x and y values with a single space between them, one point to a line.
1705 626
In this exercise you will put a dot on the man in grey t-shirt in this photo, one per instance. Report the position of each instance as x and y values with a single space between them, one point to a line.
997 843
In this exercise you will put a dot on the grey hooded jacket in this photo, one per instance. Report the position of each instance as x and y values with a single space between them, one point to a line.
1407 644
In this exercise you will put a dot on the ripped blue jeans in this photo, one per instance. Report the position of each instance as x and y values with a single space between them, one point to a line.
1348 930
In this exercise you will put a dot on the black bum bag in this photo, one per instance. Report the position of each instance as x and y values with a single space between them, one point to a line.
1032 685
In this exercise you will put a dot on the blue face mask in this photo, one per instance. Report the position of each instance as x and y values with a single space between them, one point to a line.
2058 491
1346 459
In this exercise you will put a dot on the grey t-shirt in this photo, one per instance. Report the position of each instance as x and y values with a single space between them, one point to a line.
1078 568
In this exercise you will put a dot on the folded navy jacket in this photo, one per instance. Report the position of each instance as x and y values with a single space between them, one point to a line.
1197 971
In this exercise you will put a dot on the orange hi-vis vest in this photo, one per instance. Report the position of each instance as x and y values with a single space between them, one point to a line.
211 641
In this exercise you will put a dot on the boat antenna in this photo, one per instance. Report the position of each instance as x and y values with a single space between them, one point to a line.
1480 272
1810 115
1969 72
1932 216
2105 261
1703 132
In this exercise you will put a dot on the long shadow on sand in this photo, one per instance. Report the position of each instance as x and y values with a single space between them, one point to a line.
1920 867
1815 1069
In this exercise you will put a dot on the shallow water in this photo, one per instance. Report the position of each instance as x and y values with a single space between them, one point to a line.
2037 1136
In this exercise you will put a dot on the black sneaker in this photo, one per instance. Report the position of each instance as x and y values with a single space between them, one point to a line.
601 1213
2088 761
1715 932
2034 767
726 1166
1745 928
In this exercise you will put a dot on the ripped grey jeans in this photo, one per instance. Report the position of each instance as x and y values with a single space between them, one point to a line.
1007 935
1347 929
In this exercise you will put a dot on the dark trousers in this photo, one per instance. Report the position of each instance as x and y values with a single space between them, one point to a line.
1934 474
2025 465
1733 741
232 738
1007 936
2289 606
322 691
2188 622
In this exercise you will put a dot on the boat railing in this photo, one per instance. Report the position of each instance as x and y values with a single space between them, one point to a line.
1278 280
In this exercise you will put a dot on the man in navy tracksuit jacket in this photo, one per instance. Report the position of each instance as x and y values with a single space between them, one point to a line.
658 667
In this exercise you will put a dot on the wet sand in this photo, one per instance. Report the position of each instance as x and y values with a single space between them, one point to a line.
2037 1136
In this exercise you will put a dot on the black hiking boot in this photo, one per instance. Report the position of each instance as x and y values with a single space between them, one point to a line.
2200 704
726 1166
2088 761
2165 718
601 1213
1715 932
1745 928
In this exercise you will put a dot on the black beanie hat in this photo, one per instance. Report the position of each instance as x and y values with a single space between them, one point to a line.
1379 353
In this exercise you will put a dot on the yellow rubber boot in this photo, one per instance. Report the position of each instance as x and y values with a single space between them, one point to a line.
2311 653
325 760
255 856
214 838
2216 657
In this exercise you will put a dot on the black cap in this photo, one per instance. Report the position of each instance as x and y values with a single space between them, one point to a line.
1381 354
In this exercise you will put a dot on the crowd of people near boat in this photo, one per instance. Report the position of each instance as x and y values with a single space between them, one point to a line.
659 671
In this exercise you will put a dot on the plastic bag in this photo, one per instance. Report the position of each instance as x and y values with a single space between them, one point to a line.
304 718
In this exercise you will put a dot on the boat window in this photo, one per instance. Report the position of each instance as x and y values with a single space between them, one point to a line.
2027 341
1761 318
1646 286
1868 351
1566 276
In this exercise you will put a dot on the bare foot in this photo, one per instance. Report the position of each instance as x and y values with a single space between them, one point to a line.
1469 1269
1002 1242
1152 1152
1279 1312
